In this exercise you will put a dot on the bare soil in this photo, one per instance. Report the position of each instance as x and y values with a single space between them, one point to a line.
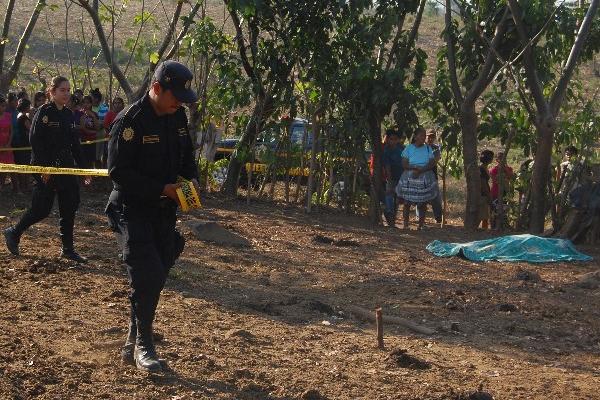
271 321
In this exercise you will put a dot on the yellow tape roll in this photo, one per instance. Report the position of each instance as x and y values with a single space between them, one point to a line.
188 197
36 169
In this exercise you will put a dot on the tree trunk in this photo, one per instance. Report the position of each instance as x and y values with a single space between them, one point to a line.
7 78
5 30
541 174
468 123
377 178
313 161
262 111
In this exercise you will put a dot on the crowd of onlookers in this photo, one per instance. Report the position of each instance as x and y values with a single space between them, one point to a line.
410 176
411 179
410 171
91 119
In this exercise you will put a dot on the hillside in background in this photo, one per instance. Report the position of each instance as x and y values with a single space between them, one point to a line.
47 53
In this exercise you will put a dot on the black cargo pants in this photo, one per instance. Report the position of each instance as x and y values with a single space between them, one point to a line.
64 187
150 245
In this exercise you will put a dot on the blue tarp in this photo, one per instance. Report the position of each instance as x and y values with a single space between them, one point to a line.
511 248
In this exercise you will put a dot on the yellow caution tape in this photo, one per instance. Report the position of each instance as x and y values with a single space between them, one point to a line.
36 169
188 196
29 148
262 168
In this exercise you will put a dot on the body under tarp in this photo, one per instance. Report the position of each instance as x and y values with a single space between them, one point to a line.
526 247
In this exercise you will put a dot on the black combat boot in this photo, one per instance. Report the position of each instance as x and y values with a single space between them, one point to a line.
12 240
71 254
145 355
129 347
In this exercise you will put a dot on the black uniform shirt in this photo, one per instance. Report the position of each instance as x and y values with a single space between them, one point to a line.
147 151
53 138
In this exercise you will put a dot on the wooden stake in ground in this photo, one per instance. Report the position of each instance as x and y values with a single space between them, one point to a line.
379 324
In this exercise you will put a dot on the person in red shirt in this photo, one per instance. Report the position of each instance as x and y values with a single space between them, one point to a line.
117 106
494 174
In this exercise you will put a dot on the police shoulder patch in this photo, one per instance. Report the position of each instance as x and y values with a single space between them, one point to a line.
127 134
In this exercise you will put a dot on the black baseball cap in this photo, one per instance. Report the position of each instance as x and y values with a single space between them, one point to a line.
177 78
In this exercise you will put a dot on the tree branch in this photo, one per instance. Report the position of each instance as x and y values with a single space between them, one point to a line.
483 80
533 81
171 31
451 55
533 40
184 29
518 83
137 37
16 64
412 37
584 30
68 5
117 72
241 45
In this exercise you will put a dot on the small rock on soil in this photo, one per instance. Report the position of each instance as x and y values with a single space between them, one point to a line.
590 280
215 233
312 394
401 358
507 307
525 275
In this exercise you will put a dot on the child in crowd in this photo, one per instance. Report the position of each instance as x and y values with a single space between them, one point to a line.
79 94
508 174
569 176
118 104
39 99
101 109
21 139
392 163
89 124
486 158
22 94
507 180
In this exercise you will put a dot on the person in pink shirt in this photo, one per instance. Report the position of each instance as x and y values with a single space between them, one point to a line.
6 157
495 175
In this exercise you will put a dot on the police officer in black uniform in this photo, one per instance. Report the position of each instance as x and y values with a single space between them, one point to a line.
54 143
149 148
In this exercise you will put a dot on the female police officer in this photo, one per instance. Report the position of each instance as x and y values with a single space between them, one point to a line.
149 148
54 143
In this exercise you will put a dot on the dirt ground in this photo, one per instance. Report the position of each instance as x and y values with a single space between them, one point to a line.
272 321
